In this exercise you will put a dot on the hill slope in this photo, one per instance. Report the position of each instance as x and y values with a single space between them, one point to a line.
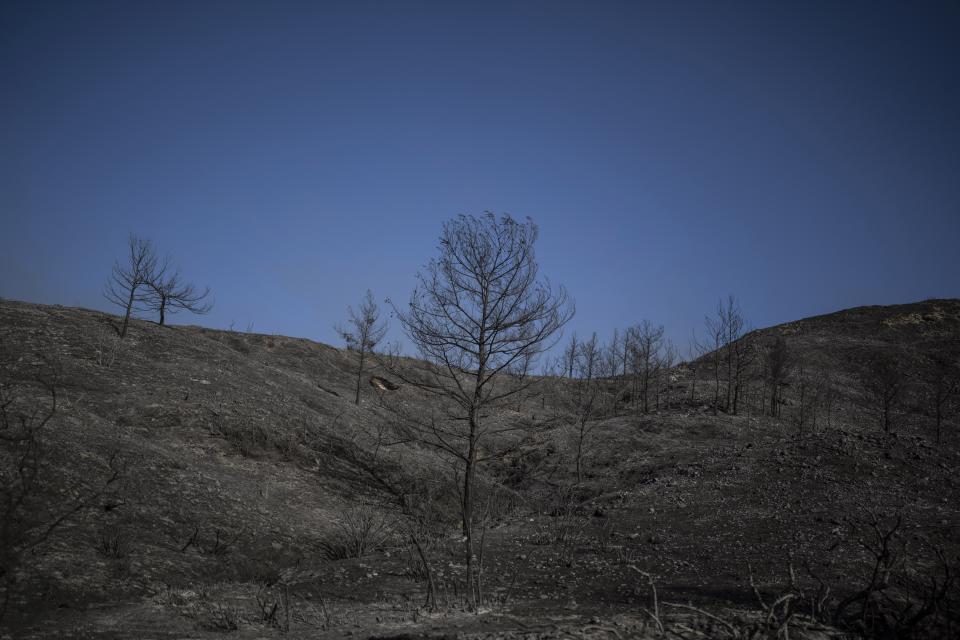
234 461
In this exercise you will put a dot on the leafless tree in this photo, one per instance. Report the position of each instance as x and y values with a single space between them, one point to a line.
807 396
477 309
668 358
732 323
828 395
570 355
884 381
777 362
129 279
167 293
943 384
712 349
617 355
738 353
520 370
615 366
744 354
586 405
693 351
646 340
365 332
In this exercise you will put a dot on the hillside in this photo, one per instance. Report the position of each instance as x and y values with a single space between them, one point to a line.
207 475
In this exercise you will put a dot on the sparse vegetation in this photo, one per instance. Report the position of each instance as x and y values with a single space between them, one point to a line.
358 531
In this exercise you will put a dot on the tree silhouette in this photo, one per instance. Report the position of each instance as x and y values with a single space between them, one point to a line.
478 309
364 333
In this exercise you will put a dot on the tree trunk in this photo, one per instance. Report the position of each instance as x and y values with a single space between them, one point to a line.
939 421
126 316
431 602
729 375
716 386
468 507
646 391
163 307
359 375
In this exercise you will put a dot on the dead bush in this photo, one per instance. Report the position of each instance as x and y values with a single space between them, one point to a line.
909 587
358 531
113 541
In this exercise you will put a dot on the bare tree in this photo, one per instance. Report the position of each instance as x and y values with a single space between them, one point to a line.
712 347
777 363
589 367
806 395
615 366
883 381
520 370
943 384
570 356
668 358
737 351
128 280
169 294
646 342
617 355
477 309
693 351
364 333
743 358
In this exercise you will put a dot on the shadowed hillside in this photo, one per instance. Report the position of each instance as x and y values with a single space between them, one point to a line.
194 482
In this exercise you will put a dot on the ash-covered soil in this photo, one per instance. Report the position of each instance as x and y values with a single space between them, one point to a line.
204 479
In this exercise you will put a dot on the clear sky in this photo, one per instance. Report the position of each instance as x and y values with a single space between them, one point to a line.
804 156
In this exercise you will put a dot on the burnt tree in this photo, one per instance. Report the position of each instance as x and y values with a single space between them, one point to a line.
364 333
168 293
129 278
478 308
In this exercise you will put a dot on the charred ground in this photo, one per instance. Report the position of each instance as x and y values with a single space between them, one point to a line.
209 478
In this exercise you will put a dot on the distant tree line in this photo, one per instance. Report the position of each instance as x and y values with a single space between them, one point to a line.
734 370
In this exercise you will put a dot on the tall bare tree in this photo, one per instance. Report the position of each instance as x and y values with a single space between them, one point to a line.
590 366
693 353
734 326
615 366
570 355
777 362
364 333
477 309
129 279
712 349
668 358
646 340
943 382
167 293
884 381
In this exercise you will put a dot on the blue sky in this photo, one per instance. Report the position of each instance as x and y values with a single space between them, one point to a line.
803 156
